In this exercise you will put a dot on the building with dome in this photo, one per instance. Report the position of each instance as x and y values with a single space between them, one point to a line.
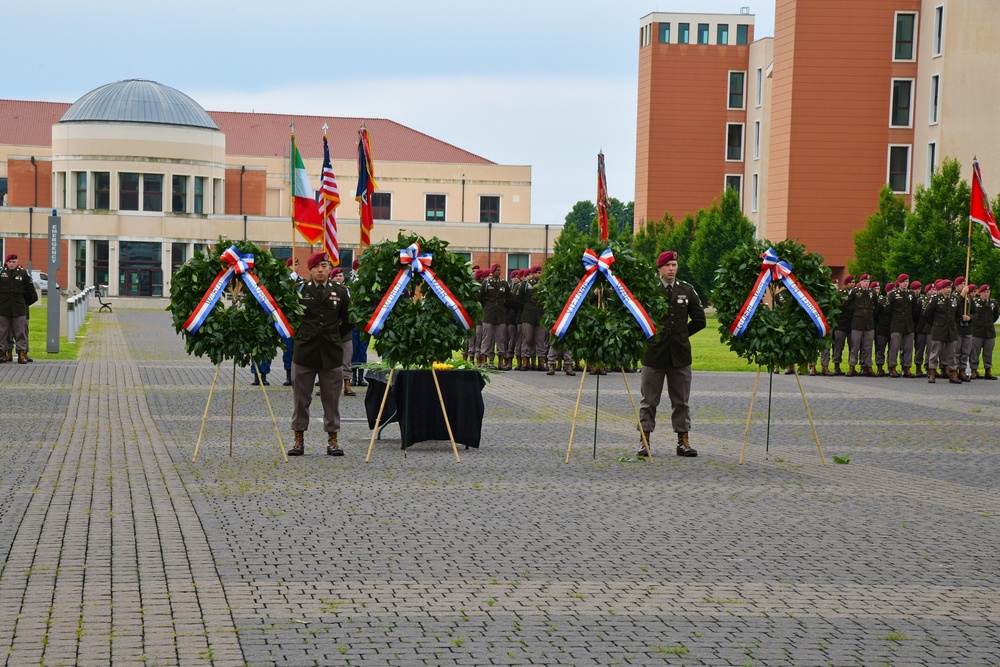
142 177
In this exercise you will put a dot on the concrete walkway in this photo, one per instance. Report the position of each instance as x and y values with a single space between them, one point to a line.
116 549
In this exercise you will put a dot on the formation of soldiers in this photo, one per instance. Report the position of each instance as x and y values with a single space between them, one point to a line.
939 330
510 335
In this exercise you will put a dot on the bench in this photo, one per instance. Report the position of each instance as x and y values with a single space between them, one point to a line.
104 305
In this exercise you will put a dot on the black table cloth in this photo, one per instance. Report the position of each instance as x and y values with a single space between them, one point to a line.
413 403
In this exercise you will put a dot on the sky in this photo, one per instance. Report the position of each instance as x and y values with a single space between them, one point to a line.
545 83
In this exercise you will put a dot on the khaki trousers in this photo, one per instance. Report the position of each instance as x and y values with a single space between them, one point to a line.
901 344
942 354
861 348
678 380
19 327
330 386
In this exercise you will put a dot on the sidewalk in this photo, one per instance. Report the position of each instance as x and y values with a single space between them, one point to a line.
117 549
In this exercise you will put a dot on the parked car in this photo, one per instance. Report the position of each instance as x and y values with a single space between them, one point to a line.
41 281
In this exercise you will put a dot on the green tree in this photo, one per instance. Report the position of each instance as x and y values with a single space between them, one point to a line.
717 230
621 217
871 244
666 234
584 212
933 245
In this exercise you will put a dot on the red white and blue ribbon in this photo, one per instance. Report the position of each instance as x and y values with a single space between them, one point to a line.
414 262
242 266
774 269
594 265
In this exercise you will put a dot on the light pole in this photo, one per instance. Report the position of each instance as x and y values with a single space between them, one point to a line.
243 170
31 213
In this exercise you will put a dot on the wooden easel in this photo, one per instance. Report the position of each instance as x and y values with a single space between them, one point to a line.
753 397
576 410
381 408
234 289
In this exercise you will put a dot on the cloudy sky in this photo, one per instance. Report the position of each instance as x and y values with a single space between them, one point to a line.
545 83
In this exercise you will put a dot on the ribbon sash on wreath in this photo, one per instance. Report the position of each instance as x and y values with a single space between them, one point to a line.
594 265
774 269
414 262
242 266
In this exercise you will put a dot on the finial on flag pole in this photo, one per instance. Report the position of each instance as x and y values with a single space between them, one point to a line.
292 125
325 128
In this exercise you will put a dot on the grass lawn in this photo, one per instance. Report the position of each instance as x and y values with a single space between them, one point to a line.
38 334
709 353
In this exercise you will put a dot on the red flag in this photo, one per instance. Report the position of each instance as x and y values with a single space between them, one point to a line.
602 198
329 200
979 209
366 187
305 214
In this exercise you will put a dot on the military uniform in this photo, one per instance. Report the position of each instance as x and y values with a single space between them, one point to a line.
901 310
862 302
841 334
668 356
920 331
493 295
963 347
882 322
533 334
943 312
984 335
17 293
319 352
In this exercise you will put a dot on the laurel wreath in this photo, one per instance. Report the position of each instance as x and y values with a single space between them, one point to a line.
603 332
784 335
237 328
421 329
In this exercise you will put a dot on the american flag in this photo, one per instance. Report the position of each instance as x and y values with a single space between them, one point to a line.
602 198
329 200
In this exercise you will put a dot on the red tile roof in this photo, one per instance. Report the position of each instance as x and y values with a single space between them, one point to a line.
262 134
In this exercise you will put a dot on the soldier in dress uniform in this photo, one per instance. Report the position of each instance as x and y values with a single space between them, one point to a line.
319 352
901 311
668 355
919 338
493 295
513 318
943 312
924 324
861 301
882 332
17 293
984 333
964 345
841 329
476 334
337 276
359 352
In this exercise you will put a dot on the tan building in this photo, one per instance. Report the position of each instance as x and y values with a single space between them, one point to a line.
845 98
142 177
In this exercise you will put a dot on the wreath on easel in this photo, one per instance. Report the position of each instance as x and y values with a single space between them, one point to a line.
420 328
603 332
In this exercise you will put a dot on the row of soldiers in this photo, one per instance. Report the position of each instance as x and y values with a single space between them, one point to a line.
511 328
945 327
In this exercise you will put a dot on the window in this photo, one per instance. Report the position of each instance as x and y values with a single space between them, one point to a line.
898 176
81 264
518 260
102 192
703 33
664 33
152 192
742 34
435 208
938 30
139 269
489 209
905 35
467 256
81 190
756 140
128 192
683 33
753 193
346 258
734 142
735 181
178 255
3 189
759 96
178 194
199 194
645 34
935 96
101 261
736 89
382 205
931 161
722 34
902 90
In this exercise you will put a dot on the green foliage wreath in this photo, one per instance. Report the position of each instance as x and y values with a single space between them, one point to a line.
418 331
603 332
239 330
784 335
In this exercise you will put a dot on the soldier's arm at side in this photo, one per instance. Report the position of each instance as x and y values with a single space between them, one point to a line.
696 314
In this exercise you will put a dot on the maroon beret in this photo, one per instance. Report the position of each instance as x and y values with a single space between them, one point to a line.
902 277
10 257
916 285
930 286
941 284
536 268
354 265
848 279
495 267
289 261
336 272
984 288
864 276
959 281
972 288
316 258
889 287
666 256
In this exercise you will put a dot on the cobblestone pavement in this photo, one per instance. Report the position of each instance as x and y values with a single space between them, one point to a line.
118 549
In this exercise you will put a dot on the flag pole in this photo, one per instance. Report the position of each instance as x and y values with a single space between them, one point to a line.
968 244
291 184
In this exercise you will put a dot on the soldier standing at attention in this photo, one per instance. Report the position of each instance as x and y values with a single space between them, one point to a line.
943 312
964 345
493 295
319 352
337 276
842 330
919 338
882 332
861 301
668 355
17 292
901 309
984 315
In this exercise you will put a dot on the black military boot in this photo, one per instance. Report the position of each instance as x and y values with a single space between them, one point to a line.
361 382
332 448
684 447
288 379
298 446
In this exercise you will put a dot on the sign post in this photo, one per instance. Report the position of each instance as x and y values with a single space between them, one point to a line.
55 261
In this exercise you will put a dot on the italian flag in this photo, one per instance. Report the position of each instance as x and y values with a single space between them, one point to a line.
306 215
